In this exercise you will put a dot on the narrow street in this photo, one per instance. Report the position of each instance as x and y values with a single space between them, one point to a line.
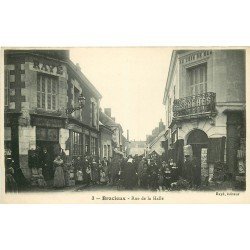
192 139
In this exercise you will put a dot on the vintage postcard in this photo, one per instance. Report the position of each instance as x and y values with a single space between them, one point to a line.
124 125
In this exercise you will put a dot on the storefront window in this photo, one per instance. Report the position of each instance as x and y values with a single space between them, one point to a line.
47 89
86 144
108 152
94 146
77 144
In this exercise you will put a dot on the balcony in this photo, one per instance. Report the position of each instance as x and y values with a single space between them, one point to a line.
201 105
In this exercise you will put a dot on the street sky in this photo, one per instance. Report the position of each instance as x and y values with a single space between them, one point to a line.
131 82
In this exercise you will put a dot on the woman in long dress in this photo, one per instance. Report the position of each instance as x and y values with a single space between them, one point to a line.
59 180
95 172
129 175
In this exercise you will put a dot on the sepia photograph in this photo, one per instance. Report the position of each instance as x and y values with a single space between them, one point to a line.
123 124
131 119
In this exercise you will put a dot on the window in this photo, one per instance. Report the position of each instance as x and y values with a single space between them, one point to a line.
6 87
109 152
86 144
105 150
77 144
47 89
169 111
198 79
93 146
94 114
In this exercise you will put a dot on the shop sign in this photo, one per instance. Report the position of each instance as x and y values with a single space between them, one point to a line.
47 122
47 134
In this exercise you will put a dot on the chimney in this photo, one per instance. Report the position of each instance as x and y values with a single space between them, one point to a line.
78 67
107 112
161 126
127 135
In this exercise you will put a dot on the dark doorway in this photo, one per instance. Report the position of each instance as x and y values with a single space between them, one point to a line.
48 138
198 139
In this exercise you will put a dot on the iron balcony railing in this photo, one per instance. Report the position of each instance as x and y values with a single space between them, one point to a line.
197 105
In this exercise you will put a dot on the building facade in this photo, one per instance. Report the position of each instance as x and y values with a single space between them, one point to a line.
137 148
106 143
117 131
42 88
155 141
205 107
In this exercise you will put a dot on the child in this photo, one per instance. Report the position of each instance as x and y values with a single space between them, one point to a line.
88 175
79 176
103 178
40 180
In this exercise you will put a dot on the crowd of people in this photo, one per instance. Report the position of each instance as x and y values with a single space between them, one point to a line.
140 173
137 173
129 173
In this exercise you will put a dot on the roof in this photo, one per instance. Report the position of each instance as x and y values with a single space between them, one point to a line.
153 152
105 128
108 121
158 137
84 78
124 139
52 53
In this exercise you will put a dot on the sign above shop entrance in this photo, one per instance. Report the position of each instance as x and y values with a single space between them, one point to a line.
47 122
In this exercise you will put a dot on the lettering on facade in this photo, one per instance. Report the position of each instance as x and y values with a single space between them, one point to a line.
46 67
47 122
195 56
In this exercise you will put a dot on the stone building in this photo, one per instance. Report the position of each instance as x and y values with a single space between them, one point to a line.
42 87
205 107
106 136
156 140
106 119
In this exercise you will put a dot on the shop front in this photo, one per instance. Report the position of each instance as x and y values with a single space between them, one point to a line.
83 141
